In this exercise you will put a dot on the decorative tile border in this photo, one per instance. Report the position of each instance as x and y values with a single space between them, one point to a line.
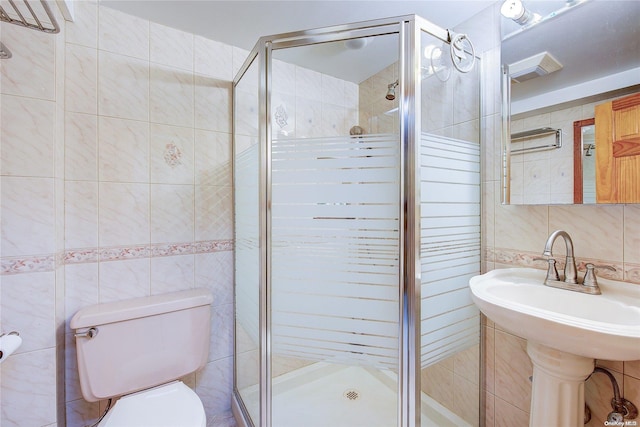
43 263
122 253
49 262
624 272
30 264
213 246
77 256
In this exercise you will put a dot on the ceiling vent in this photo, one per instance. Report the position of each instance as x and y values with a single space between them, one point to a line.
534 66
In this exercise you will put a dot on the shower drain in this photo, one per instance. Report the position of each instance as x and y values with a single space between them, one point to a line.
352 394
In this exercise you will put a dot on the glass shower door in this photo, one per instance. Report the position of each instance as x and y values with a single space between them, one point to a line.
335 241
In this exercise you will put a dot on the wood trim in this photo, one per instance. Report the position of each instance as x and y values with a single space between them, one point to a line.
577 158
626 102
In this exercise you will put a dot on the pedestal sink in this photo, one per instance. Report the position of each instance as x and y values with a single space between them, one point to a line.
565 332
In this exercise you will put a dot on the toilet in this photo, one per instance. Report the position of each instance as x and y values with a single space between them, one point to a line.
139 349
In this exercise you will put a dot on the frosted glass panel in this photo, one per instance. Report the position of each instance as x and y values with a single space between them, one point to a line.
450 245
335 249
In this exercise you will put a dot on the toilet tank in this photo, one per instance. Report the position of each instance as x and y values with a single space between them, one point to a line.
142 342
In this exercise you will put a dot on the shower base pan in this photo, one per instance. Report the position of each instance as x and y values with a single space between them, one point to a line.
324 394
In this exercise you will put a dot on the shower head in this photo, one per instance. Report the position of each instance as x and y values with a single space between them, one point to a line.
391 91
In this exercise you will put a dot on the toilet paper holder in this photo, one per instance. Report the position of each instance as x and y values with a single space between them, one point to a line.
10 333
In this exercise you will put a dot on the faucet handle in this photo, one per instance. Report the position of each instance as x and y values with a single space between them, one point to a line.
590 276
552 272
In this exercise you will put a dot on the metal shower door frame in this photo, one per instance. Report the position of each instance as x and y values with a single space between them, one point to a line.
409 28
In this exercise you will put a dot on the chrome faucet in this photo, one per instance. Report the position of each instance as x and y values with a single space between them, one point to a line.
570 280
570 269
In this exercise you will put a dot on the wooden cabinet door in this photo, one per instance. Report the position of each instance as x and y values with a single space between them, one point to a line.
618 150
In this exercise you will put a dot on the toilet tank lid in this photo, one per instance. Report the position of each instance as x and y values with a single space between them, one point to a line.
101 314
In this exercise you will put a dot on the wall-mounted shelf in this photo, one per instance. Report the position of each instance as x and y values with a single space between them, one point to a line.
534 133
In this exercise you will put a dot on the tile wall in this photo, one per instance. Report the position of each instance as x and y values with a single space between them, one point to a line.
378 114
32 218
116 183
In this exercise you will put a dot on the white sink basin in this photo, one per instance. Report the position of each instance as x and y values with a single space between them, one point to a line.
603 326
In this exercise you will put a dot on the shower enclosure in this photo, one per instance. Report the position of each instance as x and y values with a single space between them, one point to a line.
357 228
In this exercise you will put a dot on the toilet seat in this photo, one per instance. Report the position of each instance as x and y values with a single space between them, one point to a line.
168 405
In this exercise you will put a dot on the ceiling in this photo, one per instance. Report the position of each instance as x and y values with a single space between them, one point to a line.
241 23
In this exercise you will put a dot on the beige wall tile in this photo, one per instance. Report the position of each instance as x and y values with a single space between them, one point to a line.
308 84
171 47
81 287
214 219
28 216
466 364
632 368
587 226
124 34
27 136
214 384
437 382
631 233
522 227
513 369
81 214
81 147
214 271
334 120
29 389
221 343
212 158
489 358
28 307
172 213
213 58
123 150
123 86
174 273
31 70
213 104
120 280
507 415
123 214
308 118
84 28
171 96
81 79
466 400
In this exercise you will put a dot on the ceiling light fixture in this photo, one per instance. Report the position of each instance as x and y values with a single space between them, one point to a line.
356 44
514 9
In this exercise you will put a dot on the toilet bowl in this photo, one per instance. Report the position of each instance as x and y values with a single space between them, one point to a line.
139 349
169 405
